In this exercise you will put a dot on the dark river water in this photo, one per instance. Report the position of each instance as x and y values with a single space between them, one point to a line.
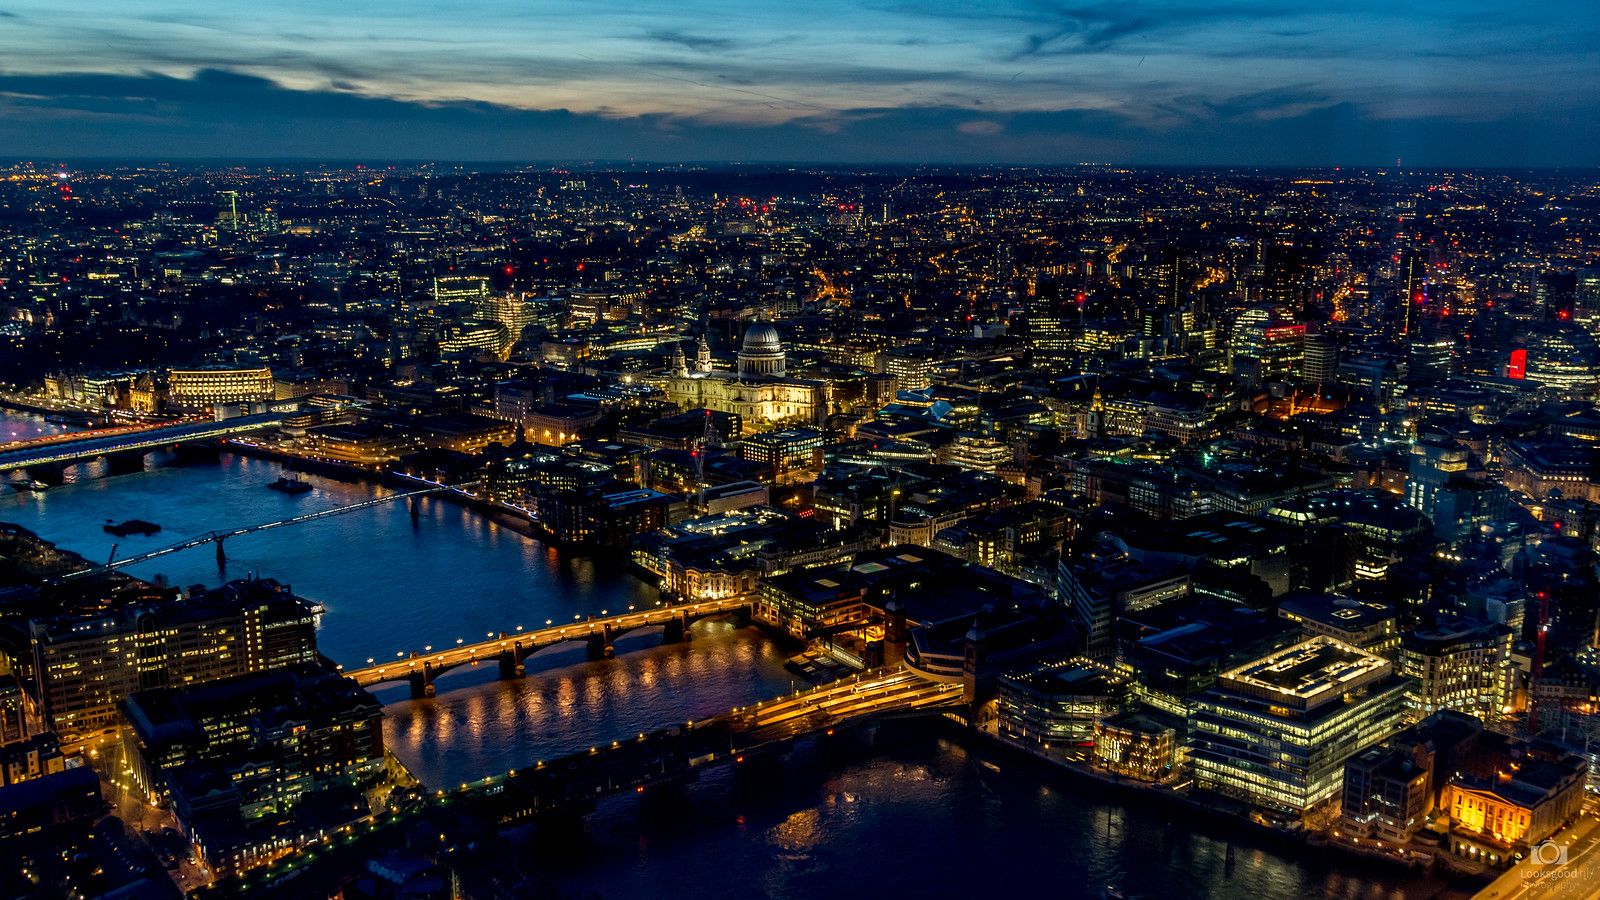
917 818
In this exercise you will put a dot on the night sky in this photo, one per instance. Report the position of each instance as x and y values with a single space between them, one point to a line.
1005 81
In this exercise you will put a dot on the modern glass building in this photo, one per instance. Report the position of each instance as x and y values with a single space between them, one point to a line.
1277 731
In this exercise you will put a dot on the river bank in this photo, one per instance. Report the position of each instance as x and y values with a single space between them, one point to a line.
1225 815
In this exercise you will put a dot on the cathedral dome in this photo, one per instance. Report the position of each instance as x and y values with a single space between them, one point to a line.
762 338
761 352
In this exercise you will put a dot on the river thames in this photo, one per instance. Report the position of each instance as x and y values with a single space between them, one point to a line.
921 817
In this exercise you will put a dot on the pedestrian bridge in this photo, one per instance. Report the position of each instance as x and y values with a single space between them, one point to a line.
510 650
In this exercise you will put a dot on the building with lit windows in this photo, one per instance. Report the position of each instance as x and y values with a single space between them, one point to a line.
759 393
451 289
1387 792
1512 798
912 367
236 759
1459 664
1560 355
85 666
1277 731
1266 345
476 337
972 452
1056 705
1142 744
1367 624
790 453
200 390
1433 465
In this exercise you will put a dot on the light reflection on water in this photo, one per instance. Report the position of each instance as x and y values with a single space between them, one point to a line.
919 821
922 818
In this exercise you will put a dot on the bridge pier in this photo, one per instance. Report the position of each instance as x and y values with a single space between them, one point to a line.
49 473
676 631
197 451
600 645
125 463
222 556
511 664
421 683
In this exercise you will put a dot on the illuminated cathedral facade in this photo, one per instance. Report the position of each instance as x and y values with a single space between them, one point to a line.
759 392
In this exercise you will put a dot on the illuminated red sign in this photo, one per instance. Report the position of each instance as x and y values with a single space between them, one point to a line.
1518 367
1279 332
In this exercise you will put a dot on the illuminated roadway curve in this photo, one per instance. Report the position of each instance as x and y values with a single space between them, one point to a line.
64 452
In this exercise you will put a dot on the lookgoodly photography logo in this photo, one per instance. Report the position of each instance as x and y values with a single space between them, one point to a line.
1548 853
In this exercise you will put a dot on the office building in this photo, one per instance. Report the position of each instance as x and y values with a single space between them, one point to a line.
85 666
201 390
1459 664
1277 731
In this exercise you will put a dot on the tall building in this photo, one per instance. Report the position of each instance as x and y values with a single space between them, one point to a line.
1558 355
234 759
84 667
1459 664
1320 362
1266 345
1430 348
1433 464
1277 731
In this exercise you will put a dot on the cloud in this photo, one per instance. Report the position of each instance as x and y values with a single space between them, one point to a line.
1097 27
980 127
218 113
696 42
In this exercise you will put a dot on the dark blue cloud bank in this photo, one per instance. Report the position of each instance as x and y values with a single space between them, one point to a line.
1360 82
217 113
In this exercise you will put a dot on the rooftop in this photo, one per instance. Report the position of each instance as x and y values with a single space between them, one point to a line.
1309 673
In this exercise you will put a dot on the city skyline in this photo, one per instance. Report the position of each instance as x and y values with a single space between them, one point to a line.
1017 83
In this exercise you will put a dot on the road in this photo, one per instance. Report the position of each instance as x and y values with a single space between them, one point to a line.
80 446
1576 879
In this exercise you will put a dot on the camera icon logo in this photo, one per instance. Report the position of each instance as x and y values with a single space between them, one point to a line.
1547 853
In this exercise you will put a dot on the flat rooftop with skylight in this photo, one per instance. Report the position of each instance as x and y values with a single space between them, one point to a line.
1308 674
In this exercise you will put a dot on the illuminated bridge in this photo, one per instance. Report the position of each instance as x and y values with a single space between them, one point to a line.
750 738
52 454
511 650
744 736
